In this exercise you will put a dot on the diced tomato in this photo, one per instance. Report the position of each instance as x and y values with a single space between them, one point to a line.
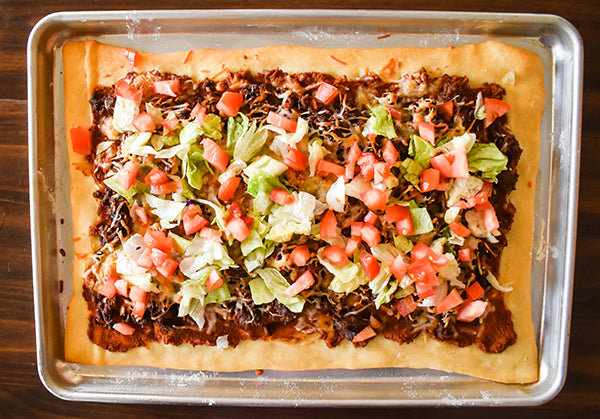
228 188
371 218
81 140
215 154
329 167
165 188
396 213
370 235
452 164
235 211
170 123
466 254
381 172
156 239
303 282
281 196
145 259
108 289
249 221
326 93
446 109
406 305
405 227
328 225
122 287
168 268
422 272
389 153
369 264
132 57
214 280
374 199
430 180
156 177
138 308
488 213
137 294
482 196
143 122
459 229
356 228
367 165
300 255
351 246
494 108
167 87
230 104
198 114
366 333
422 251
193 221
294 159
427 131
471 311
124 329
450 301
127 91
395 113
211 234
353 156
474 291
444 183
424 290
142 215
238 229
281 121
398 267
158 257
336 256
128 173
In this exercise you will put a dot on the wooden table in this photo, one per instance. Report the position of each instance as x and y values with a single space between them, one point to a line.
21 392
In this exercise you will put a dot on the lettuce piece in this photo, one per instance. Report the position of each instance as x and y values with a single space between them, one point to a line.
195 167
276 283
462 189
261 294
404 292
421 220
420 149
380 122
336 195
169 212
251 243
345 279
295 218
124 112
237 126
114 183
487 159
220 213
255 259
154 112
386 294
316 152
103 146
385 252
403 244
180 243
218 295
203 253
465 141
160 141
411 170
212 126
479 107
189 133
137 144
290 138
262 178
244 138
265 165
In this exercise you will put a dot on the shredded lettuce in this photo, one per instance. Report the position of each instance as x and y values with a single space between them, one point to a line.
265 165
137 144
203 253
180 243
124 112
345 279
336 195
160 141
494 283
212 126
244 138
189 133
380 122
262 179
237 126
290 138
195 167
357 186
261 294
154 112
103 146
218 295
479 107
420 150
461 188
220 213
465 141
421 220
382 287
385 253
276 284
487 159
114 183
403 243
316 152
169 212
411 170
295 218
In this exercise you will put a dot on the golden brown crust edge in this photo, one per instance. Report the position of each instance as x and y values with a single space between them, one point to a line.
485 62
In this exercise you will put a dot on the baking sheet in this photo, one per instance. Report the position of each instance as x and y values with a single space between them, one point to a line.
556 41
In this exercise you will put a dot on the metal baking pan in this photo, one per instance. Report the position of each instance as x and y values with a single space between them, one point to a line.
553 38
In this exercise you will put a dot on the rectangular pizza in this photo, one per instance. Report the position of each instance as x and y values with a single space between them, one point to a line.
295 208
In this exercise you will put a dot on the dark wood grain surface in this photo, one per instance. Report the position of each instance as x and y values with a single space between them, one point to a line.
21 392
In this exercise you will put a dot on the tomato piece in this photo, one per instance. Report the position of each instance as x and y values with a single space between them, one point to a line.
459 229
482 196
170 123
328 225
427 131
389 153
329 167
165 188
193 221
143 122
366 333
405 227
398 267
374 199
235 211
488 213
395 113
156 239
122 287
295 159
370 235
300 255
494 108
326 93
444 183
423 272
303 282
132 57
371 218
230 104
228 188
450 301
215 154
353 156
466 254
474 291
281 197
424 290
396 213
452 164
108 289
142 216
137 294
127 91
249 221
211 234
124 329
406 305
138 308
128 173
281 121
351 246
145 259
366 162
356 228
423 252
471 311
430 180
336 255
81 140
167 87
158 257
369 264
168 268
198 114
156 177
238 229
214 280
446 109
381 171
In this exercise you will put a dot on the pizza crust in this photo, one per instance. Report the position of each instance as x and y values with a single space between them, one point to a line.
486 62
